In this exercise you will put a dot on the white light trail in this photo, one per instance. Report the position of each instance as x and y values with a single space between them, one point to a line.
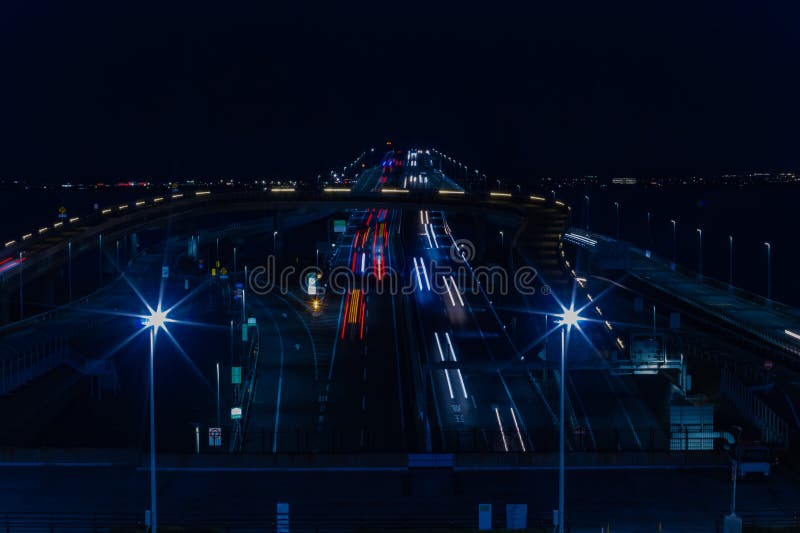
500 425
519 433
433 236
430 244
363 261
458 293
458 370
450 294
416 269
441 355
792 334
425 274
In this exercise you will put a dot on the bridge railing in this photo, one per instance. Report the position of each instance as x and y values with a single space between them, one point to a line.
779 340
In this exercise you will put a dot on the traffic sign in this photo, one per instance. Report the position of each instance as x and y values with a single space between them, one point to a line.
236 375
282 518
215 437
165 272
484 516
767 365
236 413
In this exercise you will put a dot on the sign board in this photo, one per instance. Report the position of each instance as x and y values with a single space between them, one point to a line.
236 413
244 332
767 365
311 283
165 272
516 515
215 437
339 226
236 375
484 516
251 321
282 518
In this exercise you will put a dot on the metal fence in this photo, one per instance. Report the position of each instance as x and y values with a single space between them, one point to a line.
545 440
358 519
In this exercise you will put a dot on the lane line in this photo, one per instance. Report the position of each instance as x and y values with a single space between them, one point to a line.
500 425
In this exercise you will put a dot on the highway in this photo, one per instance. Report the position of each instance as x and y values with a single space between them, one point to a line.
416 339
442 366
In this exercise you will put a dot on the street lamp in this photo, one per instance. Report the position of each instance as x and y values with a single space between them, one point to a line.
616 205
649 235
274 241
769 270
21 300
674 245
502 240
69 272
154 321
569 318
586 197
730 261
699 253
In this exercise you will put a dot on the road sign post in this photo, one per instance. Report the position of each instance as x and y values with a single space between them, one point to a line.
214 437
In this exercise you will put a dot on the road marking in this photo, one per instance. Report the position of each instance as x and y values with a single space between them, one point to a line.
441 356
500 425
458 370
519 433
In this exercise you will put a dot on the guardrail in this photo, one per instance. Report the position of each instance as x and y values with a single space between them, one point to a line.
355 517
283 194
240 430
773 306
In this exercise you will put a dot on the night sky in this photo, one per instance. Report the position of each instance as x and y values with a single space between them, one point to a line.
99 90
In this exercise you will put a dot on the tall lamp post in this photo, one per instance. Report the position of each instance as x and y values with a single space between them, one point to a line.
586 197
699 252
730 261
569 318
69 272
674 244
502 239
616 206
769 270
21 300
155 321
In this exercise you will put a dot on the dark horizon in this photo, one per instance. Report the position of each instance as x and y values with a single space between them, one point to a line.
104 91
